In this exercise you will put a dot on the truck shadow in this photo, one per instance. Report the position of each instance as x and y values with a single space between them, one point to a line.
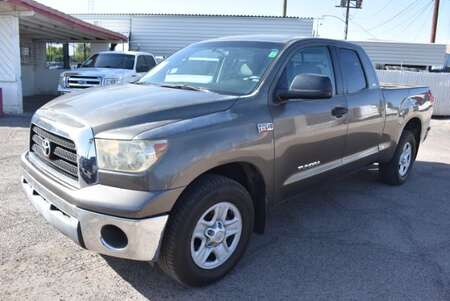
351 239
19 121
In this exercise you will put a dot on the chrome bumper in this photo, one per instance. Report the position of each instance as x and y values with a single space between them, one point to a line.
85 227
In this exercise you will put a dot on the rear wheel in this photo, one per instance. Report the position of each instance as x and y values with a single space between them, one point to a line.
396 171
208 231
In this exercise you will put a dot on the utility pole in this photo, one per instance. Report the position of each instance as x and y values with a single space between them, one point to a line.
348 4
435 21
347 15
284 8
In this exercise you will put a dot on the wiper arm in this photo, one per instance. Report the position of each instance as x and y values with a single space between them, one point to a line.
184 87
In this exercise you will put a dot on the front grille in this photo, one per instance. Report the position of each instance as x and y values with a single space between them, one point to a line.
55 151
83 82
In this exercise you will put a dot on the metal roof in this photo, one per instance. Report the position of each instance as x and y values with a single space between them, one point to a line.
192 15
42 22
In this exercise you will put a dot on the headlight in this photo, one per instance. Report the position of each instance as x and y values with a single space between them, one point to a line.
128 155
111 81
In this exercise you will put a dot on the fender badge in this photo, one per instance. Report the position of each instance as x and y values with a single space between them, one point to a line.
309 165
265 127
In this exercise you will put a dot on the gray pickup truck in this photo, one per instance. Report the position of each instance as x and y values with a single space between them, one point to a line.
181 167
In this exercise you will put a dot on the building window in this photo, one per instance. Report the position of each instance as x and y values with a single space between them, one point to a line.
78 53
54 56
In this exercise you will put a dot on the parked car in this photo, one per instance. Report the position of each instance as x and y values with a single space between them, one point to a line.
107 68
181 167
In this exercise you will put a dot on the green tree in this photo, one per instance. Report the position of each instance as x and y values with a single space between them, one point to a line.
81 52
54 53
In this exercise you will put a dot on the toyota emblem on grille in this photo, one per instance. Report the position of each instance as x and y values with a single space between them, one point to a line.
46 147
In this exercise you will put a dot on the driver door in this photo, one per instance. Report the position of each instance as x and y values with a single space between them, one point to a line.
309 134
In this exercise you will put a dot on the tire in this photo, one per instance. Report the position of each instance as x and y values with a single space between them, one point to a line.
207 196
394 172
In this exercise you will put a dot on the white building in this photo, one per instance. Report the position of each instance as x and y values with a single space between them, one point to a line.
395 54
25 28
162 34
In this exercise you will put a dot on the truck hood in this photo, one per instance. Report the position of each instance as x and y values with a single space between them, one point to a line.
120 106
102 72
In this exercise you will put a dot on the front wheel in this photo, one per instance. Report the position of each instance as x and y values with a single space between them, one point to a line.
396 171
208 231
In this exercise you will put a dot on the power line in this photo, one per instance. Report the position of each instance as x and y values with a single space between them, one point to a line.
414 18
422 25
384 7
363 29
395 16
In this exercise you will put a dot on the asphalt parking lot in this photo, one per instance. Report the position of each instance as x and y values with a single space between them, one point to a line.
351 239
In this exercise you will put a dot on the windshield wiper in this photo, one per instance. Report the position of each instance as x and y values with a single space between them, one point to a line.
184 87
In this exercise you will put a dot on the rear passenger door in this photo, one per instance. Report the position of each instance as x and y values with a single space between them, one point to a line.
365 104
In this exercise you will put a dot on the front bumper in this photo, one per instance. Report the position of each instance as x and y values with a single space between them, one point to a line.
143 236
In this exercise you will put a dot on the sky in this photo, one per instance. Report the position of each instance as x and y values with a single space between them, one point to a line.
387 20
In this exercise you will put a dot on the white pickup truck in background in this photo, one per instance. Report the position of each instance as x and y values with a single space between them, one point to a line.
106 68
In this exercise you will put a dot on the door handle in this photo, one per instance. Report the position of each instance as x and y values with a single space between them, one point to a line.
338 112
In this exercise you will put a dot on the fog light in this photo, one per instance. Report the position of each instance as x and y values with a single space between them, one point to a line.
113 237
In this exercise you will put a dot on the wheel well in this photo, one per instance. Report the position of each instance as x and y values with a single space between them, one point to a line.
248 176
415 126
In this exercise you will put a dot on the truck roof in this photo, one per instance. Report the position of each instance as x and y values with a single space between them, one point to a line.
276 38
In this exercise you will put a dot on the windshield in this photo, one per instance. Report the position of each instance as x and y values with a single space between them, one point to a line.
223 67
110 60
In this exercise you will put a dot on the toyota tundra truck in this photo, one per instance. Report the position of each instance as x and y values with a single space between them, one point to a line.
181 167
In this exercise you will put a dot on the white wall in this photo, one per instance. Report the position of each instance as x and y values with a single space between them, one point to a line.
163 35
405 53
27 66
10 70
439 84
97 47
45 80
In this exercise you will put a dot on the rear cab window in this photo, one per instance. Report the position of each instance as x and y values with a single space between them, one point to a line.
352 70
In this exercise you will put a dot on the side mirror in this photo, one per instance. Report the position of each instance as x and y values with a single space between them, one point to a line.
307 86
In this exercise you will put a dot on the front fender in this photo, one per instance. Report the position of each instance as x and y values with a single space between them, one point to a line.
203 143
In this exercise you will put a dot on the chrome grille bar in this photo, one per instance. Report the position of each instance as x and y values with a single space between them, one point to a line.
60 154
83 82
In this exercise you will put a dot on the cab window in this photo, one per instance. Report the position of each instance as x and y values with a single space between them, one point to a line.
313 60
352 70
150 61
